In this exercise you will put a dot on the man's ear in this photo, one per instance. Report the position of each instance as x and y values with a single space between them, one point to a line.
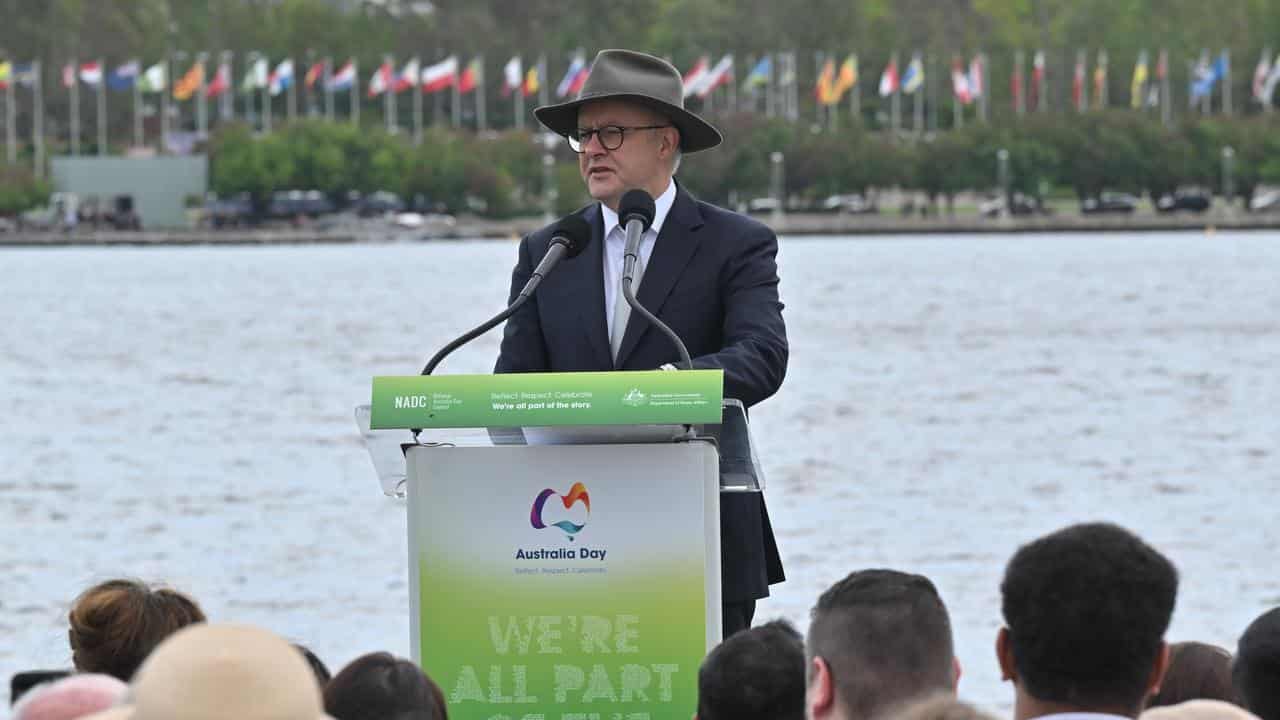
957 670
820 695
1158 669
1004 655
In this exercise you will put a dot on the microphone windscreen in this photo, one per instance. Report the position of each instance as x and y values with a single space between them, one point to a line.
575 231
636 205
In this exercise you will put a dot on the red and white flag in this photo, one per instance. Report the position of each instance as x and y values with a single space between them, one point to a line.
889 79
512 76
696 76
381 80
441 75
470 76
960 82
1078 84
408 77
68 75
221 82
1260 74
1036 93
719 75
91 73
976 80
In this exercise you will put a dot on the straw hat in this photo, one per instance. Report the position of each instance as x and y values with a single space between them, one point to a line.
648 80
222 672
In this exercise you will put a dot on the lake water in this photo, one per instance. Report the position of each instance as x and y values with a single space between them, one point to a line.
184 415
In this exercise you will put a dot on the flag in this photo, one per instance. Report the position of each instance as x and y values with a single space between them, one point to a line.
1207 76
759 74
68 75
6 74
1139 82
123 77
960 82
976 87
409 77
889 79
24 74
719 75
913 78
696 76
531 81
344 78
188 84
440 75
1015 83
1162 72
155 79
1260 75
470 76
1100 80
1077 83
573 77
221 81
91 73
824 88
1269 86
1035 93
256 77
314 74
512 76
281 78
381 80
847 77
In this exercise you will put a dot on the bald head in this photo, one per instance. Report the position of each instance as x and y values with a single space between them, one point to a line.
69 698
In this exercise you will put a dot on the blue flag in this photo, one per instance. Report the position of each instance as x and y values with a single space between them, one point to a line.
123 77
1207 77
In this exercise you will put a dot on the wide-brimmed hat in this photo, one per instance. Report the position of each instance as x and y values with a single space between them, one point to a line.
217 672
648 80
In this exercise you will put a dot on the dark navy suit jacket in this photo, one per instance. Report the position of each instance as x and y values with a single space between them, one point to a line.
713 278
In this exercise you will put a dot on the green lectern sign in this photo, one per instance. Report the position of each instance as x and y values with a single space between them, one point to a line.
548 399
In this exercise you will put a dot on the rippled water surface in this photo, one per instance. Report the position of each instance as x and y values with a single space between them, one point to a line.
184 414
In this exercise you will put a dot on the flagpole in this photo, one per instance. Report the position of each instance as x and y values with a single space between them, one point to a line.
895 100
137 106
985 71
37 125
957 110
1226 82
519 93
481 120
416 89
75 106
1166 91
226 106
292 107
855 94
328 88
355 92
917 103
102 107
202 102
309 97
456 108
266 100
11 118
544 97
931 82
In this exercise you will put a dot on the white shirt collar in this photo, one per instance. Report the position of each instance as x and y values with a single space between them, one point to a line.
661 206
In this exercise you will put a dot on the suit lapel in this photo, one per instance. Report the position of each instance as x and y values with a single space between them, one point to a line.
588 281
672 251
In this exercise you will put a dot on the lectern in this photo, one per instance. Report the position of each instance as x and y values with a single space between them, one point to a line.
564 550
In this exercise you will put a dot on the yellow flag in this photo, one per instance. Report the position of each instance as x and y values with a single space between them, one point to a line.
187 86
1139 82
531 81
847 78
6 72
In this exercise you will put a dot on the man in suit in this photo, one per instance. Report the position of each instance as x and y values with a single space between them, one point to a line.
708 273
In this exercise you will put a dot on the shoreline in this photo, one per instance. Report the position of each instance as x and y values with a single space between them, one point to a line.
790 224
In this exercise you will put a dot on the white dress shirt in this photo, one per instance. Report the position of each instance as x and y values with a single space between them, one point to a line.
615 240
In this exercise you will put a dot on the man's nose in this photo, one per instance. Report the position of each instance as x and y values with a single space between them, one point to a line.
594 145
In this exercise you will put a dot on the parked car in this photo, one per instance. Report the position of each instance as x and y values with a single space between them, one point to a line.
1022 205
1265 202
1109 203
235 211
852 204
1190 199
299 203
379 203
762 205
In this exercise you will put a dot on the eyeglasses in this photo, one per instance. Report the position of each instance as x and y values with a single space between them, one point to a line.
610 136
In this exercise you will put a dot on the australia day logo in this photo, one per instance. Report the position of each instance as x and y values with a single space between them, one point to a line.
634 398
577 494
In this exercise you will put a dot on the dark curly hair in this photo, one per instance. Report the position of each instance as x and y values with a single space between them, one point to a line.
1086 609
1256 671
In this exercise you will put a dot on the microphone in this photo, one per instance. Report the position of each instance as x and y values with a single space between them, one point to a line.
635 212
569 237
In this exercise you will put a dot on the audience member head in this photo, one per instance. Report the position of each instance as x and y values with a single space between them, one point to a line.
317 665
70 698
222 672
380 686
1198 710
1257 667
116 624
1085 611
878 638
940 706
1197 671
755 674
